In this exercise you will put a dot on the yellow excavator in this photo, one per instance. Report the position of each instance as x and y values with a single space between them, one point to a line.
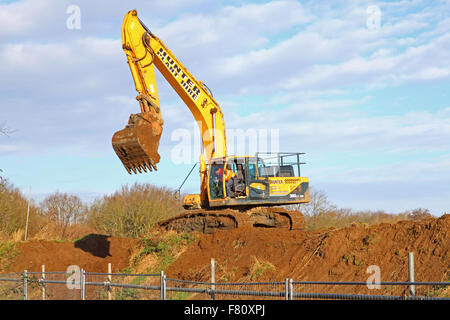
259 186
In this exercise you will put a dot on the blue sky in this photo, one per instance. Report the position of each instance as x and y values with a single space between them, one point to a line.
367 100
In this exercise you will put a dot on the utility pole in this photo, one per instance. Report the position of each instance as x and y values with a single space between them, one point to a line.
28 215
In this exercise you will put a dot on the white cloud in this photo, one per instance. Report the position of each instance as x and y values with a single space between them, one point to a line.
296 52
430 73
424 62
21 17
75 69
46 20
8 148
233 29
333 126
432 170
338 49
37 57
69 91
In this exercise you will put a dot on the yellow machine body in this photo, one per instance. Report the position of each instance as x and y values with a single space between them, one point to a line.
257 184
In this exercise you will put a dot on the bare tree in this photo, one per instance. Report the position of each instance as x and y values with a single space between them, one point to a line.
133 210
64 209
4 130
318 204
419 214
2 182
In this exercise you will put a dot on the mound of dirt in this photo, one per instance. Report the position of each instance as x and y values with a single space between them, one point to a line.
92 253
264 254
326 255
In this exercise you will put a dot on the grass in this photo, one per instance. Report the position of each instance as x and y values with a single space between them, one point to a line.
180 295
8 251
259 268
126 270
138 280
165 249
371 239
11 292
126 294
351 258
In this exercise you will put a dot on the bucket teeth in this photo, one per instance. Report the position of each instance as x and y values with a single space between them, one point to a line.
128 169
153 165
137 144
140 167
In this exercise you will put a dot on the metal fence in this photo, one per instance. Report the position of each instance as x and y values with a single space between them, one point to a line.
117 286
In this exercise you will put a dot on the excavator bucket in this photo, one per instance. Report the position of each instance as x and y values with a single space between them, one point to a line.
137 144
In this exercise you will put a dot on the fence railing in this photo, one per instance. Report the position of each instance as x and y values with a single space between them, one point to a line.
63 285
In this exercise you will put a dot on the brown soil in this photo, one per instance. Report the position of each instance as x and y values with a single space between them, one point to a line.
92 253
325 255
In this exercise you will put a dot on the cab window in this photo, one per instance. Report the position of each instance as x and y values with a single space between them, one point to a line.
216 181
252 171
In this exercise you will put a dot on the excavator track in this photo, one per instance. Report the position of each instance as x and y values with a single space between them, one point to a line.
202 220
207 221
277 217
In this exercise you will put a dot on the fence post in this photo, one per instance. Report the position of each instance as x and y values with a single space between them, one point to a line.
213 279
25 285
109 280
291 290
43 282
412 288
286 289
163 285
83 286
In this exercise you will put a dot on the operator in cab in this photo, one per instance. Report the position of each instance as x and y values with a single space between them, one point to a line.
229 180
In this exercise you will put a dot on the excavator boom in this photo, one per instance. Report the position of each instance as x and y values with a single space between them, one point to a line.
137 144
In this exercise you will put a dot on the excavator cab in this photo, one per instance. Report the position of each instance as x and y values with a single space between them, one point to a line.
272 179
216 180
233 186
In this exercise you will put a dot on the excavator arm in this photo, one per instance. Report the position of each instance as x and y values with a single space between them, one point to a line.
137 144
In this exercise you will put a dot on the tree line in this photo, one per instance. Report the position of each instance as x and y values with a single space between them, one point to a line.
321 213
129 212
133 210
